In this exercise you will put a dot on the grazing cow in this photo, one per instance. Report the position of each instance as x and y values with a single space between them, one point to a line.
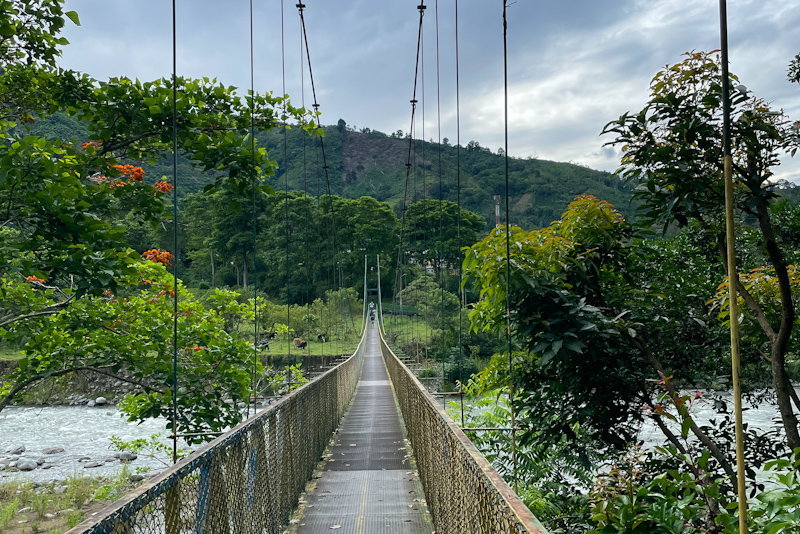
322 338
268 335
299 343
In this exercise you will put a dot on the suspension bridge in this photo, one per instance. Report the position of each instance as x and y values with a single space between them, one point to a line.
380 453
362 448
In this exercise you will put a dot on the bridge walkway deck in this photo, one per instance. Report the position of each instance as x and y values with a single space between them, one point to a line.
368 485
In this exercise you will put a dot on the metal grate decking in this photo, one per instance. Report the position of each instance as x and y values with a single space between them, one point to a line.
367 485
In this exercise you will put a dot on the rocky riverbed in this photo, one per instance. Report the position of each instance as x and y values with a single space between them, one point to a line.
43 444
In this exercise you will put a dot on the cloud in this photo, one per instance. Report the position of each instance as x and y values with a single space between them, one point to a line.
573 66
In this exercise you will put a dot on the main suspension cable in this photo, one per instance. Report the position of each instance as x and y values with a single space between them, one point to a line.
300 8
461 302
423 249
175 233
255 222
508 255
286 189
398 272
440 267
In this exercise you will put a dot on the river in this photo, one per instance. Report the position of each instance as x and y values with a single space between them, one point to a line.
82 432
85 432
760 415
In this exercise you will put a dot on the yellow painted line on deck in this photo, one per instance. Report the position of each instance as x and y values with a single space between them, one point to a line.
363 508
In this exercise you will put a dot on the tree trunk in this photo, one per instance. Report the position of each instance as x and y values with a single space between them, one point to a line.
780 340
782 385
213 272
244 268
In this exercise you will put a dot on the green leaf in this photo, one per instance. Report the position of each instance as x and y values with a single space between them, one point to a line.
234 206
686 426
73 16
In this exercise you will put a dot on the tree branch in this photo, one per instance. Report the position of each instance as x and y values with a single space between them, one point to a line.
49 310
759 314
20 386
645 351
784 284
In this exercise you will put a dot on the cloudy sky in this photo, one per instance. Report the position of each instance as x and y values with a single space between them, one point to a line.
573 65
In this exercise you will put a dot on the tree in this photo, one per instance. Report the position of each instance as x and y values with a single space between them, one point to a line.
433 228
64 203
131 338
793 74
60 198
672 150
582 294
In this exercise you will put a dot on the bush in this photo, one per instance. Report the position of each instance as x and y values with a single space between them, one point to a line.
426 372
464 371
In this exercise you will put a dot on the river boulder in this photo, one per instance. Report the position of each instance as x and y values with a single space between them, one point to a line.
26 464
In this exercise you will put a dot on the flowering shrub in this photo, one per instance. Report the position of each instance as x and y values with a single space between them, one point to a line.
157 256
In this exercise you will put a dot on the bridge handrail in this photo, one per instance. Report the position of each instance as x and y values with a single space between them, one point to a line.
253 474
463 491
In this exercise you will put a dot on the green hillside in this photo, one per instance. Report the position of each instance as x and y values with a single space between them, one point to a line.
371 163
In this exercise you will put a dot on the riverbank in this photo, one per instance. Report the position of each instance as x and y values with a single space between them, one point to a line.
66 441
57 507
89 388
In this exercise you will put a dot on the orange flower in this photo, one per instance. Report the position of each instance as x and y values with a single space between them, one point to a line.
134 174
33 279
157 256
107 293
163 187
197 348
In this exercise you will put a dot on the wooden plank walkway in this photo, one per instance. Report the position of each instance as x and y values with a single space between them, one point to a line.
368 485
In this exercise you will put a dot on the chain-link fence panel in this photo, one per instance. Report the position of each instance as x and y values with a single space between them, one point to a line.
463 491
247 481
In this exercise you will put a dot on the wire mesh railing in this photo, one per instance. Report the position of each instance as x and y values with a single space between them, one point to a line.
463 491
248 480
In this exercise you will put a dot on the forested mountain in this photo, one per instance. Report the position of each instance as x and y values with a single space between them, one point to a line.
371 163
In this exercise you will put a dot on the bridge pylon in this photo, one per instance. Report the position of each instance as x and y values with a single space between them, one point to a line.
371 307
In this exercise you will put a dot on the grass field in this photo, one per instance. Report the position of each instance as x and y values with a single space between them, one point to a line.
8 354
314 348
